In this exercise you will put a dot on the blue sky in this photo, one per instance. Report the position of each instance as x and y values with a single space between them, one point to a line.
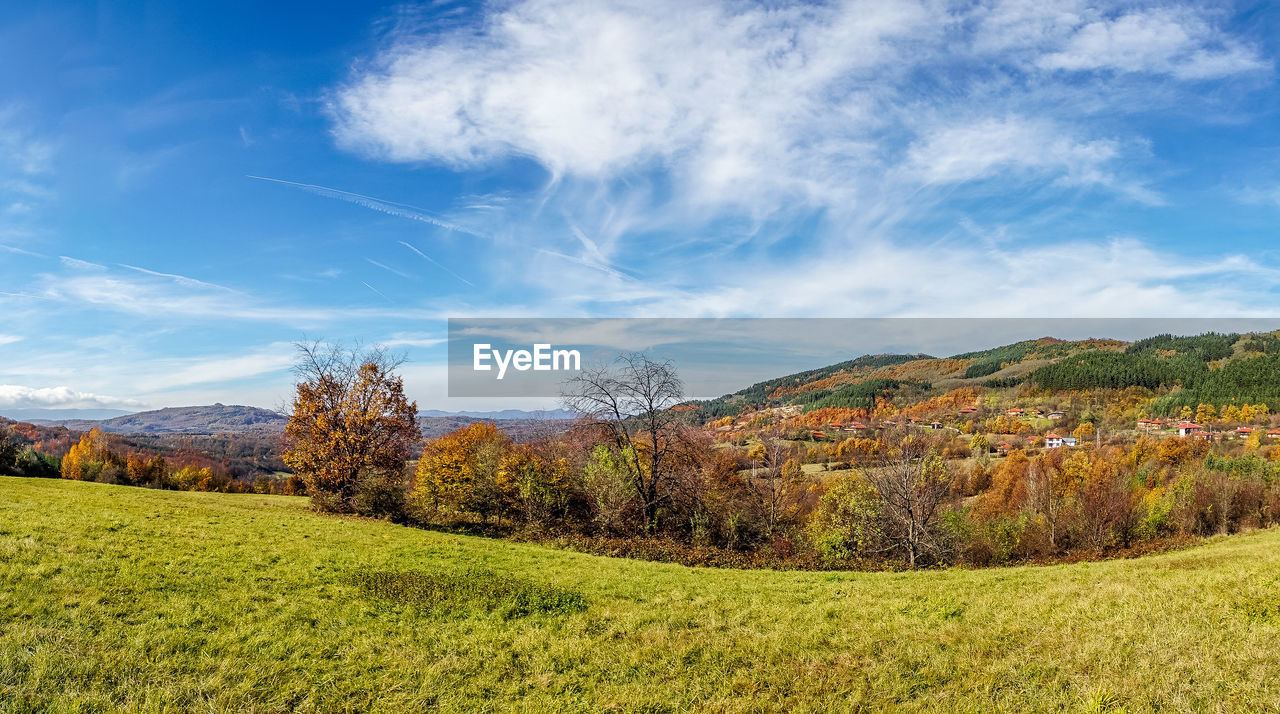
554 158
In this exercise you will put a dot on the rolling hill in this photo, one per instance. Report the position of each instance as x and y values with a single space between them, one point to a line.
211 419
1184 370
235 419
125 599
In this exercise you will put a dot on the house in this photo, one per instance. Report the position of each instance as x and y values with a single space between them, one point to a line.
853 426
935 425
968 410
1057 415
1003 447
1015 412
1274 432
1053 441
1188 429
1244 430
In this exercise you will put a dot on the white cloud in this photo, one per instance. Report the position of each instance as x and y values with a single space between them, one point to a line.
785 105
1070 279
16 396
167 374
729 98
165 295
1170 41
9 339
990 147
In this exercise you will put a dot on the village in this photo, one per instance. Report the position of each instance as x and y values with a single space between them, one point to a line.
1000 430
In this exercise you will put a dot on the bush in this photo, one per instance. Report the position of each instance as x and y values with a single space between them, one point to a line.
379 497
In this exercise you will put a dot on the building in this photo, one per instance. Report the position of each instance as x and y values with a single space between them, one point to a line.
1053 441
1188 429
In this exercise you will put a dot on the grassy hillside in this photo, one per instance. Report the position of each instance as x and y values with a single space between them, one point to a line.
123 598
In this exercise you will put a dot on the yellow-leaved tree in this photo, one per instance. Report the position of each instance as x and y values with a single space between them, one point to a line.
351 429
462 471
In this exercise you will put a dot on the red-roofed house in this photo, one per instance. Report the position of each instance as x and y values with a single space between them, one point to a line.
1188 429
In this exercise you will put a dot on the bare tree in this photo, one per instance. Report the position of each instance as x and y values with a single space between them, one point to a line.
912 483
774 488
631 402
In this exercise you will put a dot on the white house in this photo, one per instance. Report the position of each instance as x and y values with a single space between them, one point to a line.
1053 441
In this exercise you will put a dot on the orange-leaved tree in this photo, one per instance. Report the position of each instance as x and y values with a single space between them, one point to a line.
351 425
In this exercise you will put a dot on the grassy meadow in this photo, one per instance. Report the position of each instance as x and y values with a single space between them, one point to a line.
118 598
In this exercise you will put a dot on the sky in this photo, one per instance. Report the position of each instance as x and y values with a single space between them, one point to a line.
188 189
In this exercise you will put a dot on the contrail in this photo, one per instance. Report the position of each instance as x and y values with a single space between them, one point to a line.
24 295
403 210
180 279
389 269
596 259
606 268
384 297
437 263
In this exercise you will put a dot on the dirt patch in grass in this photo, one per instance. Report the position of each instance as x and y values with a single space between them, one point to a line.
468 591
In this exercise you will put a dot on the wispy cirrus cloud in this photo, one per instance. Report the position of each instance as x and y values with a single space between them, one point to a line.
694 140
793 103
995 147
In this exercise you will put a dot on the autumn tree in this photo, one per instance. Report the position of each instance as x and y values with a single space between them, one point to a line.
462 471
912 483
88 458
1083 432
351 425
9 449
631 402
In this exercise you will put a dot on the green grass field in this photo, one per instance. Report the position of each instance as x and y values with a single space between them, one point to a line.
115 598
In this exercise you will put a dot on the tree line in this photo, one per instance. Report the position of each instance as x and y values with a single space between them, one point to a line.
635 475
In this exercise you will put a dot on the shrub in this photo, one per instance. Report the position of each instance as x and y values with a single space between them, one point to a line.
379 497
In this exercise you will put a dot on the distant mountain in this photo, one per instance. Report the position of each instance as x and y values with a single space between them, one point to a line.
224 419
61 414
212 419
503 414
